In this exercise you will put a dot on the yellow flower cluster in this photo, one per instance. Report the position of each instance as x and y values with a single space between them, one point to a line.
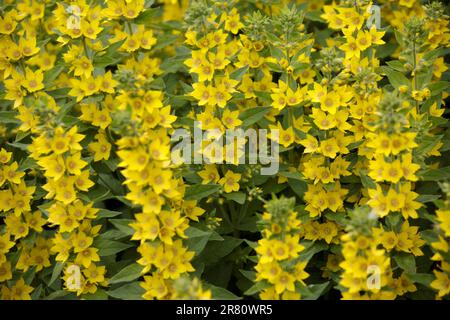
279 263
100 200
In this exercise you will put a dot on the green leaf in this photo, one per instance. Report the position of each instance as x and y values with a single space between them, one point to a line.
123 225
129 291
51 75
366 181
28 163
57 269
314 291
292 175
251 244
424 198
427 144
198 192
112 234
434 174
250 275
127 274
114 47
219 293
197 239
406 261
35 295
99 193
215 250
58 295
276 52
238 73
422 278
248 223
298 186
253 115
9 117
396 65
430 56
274 67
148 16
257 287
399 37
340 218
108 181
438 87
429 236
21 135
238 197
105 213
108 59
109 247
18 145
264 96
314 15
311 248
193 232
100 294
396 78
164 41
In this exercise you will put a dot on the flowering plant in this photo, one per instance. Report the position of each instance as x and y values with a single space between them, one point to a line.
343 100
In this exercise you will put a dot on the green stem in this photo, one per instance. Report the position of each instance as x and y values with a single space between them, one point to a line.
130 28
291 124
85 47
414 72
225 214
242 211
22 66
234 219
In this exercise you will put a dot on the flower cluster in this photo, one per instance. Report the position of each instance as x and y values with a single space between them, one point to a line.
345 100
279 262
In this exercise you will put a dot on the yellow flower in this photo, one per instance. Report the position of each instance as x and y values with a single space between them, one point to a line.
395 201
284 282
285 137
322 120
28 46
232 21
230 181
35 220
81 242
363 40
441 283
202 93
21 291
90 29
5 243
33 81
209 174
87 256
388 240
279 100
330 102
329 148
230 119
82 67
7 23
5 271
101 147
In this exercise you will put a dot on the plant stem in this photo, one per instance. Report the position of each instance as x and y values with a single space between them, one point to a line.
414 72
